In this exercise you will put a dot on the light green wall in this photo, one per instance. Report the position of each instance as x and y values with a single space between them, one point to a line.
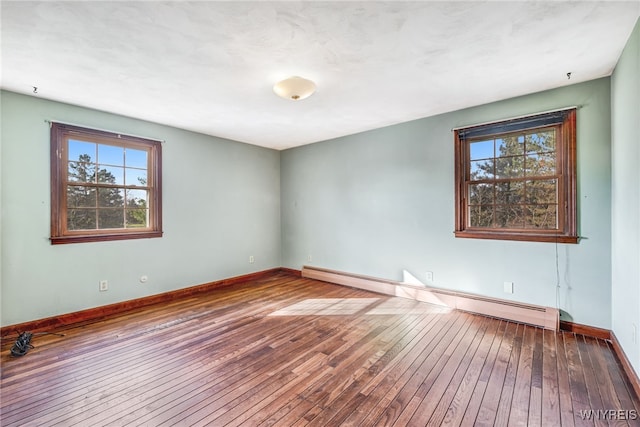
625 105
221 204
373 203
379 202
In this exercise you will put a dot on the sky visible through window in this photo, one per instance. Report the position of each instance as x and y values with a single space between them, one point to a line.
482 150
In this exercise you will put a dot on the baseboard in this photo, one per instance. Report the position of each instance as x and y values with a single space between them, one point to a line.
546 317
590 331
120 307
291 271
381 286
626 364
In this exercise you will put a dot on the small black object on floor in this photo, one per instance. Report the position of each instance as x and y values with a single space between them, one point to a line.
22 345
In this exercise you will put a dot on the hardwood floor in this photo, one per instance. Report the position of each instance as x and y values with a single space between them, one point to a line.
287 351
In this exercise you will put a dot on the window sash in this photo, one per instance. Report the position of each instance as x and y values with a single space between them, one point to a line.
521 209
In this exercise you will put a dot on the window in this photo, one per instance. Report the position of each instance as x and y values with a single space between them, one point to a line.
104 186
516 179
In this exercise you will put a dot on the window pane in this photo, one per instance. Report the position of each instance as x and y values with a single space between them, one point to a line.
111 175
81 197
135 177
137 218
111 218
136 158
482 169
512 145
81 172
541 164
541 141
542 217
81 151
137 198
509 216
510 167
481 216
81 219
509 192
110 155
544 191
110 198
481 150
480 194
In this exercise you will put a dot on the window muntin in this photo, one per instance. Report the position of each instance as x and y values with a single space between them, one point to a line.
515 180
105 186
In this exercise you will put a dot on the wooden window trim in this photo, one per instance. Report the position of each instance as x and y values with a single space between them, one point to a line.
60 134
567 186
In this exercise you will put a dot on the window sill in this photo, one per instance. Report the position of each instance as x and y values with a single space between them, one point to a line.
103 237
517 236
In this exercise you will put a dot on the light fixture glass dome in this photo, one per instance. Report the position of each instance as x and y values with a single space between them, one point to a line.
294 88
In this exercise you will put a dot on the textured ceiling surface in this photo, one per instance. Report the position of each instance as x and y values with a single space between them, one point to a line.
210 66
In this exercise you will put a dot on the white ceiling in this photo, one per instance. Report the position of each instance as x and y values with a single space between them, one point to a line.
209 66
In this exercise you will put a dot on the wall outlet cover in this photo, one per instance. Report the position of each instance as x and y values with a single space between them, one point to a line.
508 287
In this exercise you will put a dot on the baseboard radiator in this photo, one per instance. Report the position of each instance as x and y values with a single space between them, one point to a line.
545 317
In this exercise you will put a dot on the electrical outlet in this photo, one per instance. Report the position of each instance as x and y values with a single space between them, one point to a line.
429 276
251 259
104 285
309 258
508 287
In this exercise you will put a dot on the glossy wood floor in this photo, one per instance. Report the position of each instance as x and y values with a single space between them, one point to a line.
286 351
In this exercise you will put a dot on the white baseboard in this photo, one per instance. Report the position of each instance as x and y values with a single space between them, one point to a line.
545 317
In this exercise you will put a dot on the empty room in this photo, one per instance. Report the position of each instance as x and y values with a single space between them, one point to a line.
320 213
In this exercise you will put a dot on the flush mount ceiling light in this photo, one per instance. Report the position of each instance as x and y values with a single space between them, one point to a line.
294 88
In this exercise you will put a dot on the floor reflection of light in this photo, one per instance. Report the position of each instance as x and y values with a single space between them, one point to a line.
326 307
405 306
348 306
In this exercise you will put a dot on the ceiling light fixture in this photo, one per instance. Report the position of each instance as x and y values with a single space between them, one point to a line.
294 88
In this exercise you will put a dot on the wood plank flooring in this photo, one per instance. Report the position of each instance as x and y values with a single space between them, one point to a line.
288 351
